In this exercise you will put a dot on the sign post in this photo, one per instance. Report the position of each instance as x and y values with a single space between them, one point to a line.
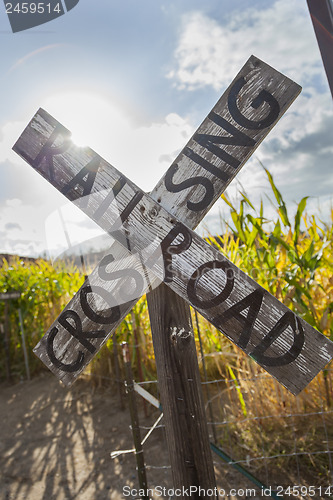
135 422
321 12
154 242
181 395
27 369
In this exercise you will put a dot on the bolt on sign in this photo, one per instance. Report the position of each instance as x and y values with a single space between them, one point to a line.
154 239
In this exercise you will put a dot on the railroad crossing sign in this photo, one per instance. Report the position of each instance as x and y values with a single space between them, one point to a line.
154 240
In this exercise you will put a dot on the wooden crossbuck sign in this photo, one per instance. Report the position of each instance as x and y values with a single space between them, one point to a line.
154 238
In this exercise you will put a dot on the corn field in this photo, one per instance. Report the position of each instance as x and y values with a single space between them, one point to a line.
290 257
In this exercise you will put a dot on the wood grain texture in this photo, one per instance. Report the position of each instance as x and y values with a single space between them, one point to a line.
135 424
7 344
170 318
247 314
322 20
180 388
243 115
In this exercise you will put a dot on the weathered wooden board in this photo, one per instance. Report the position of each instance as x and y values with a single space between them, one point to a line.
321 13
244 115
262 82
10 295
172 331
287 347
180 388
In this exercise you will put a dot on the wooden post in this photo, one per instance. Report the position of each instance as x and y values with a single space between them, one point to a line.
24 346
138 356
7 349
195 271
117 370
180 388
135 422
321 12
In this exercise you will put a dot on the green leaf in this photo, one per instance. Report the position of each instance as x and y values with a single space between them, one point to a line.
276 192
261 213
300 210
247 200
228 202
277 229
236 221
239 392
282 210
257 223
252 236
284 214
241 211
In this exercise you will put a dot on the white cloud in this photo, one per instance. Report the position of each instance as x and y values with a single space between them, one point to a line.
20 228
298 151
211 52
9 134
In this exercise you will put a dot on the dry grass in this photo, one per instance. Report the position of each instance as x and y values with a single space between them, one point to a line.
292 259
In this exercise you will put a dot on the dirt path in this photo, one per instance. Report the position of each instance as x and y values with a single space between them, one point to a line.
55 443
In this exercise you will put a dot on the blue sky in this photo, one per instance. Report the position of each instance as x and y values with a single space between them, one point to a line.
134 79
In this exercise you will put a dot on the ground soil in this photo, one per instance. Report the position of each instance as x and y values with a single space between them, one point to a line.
55 444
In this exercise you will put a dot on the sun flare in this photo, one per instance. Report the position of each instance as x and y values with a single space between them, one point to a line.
85 114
